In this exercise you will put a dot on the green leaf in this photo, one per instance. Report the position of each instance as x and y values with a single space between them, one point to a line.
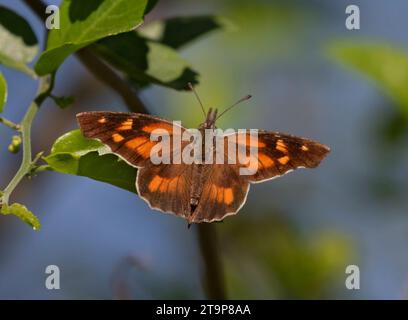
386 65
145 61
23 213
63 101
177 32
74 154
18 43
84 22
3 92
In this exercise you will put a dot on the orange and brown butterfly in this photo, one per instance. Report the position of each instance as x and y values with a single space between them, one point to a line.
197 192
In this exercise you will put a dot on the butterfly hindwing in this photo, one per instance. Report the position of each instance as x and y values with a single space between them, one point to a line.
166 187
224 192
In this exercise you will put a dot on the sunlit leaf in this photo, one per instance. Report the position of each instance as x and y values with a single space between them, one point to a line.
18 43
178 31
84 22
386 65
145 61
3 92
23 213
76 155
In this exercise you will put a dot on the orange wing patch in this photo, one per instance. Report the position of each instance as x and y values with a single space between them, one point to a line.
158 126
142 145
126 125
155 183
136 142
281 146
284 160
163 184
116 137
258 162
265 161
228 196
221 195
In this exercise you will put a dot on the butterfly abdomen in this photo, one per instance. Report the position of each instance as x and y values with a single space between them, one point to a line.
196 186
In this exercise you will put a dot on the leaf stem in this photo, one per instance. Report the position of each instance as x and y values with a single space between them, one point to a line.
27 163
10 124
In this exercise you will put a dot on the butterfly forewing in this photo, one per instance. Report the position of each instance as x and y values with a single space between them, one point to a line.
127 134
279 153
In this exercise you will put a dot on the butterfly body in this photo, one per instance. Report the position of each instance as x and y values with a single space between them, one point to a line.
198 167
197 191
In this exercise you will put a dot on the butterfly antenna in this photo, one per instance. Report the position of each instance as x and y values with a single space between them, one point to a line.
247 97
190 85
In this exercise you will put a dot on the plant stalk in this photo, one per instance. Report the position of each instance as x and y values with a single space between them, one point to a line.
10 124
27 163
213 277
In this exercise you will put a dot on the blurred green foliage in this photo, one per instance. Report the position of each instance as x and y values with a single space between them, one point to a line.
18 43
384 64
266 256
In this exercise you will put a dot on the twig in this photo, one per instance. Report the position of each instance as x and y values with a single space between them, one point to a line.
213 270
105 74
10 124
27 163
212 274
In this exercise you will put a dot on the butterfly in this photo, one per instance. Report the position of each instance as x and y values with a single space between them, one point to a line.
197 192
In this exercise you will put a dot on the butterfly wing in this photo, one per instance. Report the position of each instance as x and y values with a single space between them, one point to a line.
224 193
225 189
127 134
279 153
166 187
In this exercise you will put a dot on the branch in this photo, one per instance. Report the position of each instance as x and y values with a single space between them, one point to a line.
45 87
213 276
212 273
10 124
108 76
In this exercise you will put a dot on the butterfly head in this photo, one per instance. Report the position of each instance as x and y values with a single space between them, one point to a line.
211 115
210 119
